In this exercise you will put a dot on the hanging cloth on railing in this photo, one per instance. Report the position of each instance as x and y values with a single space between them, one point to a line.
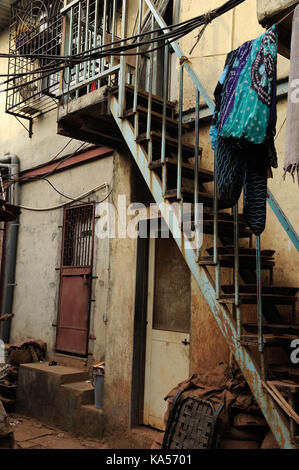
291 163
249 107
245 111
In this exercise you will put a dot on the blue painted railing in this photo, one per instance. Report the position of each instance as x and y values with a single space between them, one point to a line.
284 221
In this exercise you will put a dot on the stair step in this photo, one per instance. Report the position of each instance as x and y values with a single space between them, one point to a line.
171 145
229 250
279 329
251 288
156 119
84 390
285 372
251 298
188 196
226 228
251 339
205 176
143 96
286 387
245 261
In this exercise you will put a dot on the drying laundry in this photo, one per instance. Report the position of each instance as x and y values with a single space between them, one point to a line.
243 127
291 163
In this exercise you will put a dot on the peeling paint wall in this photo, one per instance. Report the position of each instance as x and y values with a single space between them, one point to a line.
119 328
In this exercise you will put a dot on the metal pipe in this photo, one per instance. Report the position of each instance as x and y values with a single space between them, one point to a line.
95 36
86 40
137 71
122 74
104 26
105 316
259 304
163 140
78 45
11 242
196 168
215 235
236 271
180 156
150 100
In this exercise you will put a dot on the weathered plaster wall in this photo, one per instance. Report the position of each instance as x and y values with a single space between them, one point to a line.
36 294
119 331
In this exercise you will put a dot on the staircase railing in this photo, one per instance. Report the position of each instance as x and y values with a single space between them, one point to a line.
283 220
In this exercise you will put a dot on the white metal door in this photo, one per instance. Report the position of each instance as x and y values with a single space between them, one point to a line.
167 354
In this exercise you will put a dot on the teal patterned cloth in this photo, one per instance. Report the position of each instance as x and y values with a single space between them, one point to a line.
247 111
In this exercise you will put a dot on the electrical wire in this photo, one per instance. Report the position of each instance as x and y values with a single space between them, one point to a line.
174 33
38 177
68 197
59 206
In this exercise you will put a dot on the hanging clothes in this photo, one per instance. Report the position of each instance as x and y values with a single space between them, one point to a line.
291 163
243 127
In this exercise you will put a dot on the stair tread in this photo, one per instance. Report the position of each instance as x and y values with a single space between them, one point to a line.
79 386
155 115
188 195
188 149
229 259
145 94
268 338
251 298
226 228
285 383
251 288
187 169
289 369
273 326
229 250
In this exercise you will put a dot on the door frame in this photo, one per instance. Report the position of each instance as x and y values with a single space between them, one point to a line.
139 339
140 324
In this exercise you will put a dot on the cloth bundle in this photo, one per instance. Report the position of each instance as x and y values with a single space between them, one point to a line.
243 128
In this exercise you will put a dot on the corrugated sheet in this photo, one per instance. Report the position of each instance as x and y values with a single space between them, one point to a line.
5 13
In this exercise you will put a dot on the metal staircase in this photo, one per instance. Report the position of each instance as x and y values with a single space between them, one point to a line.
171 170
154 131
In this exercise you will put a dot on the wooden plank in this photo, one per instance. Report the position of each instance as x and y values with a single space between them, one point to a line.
270 387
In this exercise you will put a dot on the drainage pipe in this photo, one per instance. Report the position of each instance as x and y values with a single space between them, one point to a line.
11 240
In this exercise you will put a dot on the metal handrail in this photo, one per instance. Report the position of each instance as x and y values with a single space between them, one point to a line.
283 220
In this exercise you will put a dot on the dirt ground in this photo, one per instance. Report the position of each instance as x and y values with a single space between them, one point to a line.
29 433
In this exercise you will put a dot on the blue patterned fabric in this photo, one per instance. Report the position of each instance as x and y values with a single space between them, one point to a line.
247 106
243 127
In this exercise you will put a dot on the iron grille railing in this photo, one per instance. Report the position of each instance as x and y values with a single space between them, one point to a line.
90 25
78 236
35 29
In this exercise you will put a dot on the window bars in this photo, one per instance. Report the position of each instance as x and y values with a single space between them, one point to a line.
35 29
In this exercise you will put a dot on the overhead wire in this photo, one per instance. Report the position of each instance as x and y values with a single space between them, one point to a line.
174 33
59 206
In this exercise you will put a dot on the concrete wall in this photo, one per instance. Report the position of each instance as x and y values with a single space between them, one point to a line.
119 330
39 246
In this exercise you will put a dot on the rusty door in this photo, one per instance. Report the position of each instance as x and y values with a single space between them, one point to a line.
75 280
